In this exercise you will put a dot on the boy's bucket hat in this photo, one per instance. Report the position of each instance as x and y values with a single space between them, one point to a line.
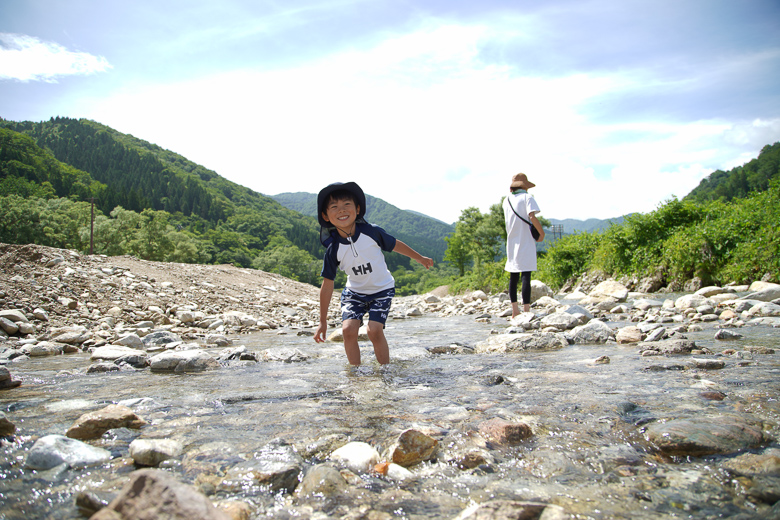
360 199
519 180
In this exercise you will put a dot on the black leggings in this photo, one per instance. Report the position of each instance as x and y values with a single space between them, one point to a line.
514 278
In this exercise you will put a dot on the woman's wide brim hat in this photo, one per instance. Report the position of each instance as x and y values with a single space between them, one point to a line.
519 180
360 199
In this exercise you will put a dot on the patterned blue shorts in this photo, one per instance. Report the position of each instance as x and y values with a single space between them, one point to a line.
355 305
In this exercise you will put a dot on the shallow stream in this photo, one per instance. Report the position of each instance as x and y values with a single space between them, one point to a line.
588 453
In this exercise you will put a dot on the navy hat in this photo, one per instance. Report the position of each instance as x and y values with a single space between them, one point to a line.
354 189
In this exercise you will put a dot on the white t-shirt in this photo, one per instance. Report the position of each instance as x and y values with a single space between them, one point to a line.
520 244
361 258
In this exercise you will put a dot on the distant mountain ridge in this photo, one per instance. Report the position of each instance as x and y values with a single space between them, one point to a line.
421 232
571 225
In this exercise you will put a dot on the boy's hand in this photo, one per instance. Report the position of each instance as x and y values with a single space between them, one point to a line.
427 262
319 336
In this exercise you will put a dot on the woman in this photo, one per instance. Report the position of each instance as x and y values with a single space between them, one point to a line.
520 209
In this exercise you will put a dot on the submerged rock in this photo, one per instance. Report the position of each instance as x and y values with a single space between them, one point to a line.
52 450
697 437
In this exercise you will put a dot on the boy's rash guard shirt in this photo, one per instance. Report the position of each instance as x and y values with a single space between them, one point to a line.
367 271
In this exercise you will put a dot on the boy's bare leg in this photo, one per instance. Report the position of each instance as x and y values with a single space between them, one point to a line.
351 329
376 334
526 307
515 309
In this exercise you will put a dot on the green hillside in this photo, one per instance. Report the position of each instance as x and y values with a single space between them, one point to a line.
739 182
423 233
158 205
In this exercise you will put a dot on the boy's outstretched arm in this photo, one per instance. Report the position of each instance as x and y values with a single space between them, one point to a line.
326 293
405 250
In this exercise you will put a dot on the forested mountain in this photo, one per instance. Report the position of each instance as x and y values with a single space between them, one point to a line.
151 202
738 182
80 159
423 233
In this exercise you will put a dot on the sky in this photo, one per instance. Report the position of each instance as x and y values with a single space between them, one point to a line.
431 105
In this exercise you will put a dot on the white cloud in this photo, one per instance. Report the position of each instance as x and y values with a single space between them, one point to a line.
421 122
26 58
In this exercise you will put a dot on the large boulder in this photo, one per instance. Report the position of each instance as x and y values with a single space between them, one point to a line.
153 494
692 301
593 332
504 343
112 353
540 289
610 289
183 361
767 293
560 321
697 437
52 450
94 424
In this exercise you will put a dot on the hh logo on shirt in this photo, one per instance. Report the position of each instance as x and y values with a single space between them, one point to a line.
362 269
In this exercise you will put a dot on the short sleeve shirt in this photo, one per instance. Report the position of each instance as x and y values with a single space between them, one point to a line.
520 244
361 257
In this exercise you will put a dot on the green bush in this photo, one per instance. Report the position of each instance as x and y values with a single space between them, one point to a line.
570 257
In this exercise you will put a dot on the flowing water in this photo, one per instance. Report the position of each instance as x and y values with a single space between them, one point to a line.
587 454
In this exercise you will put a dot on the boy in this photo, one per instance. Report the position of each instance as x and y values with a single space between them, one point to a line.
355 247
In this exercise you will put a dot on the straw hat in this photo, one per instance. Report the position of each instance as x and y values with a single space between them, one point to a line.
519 180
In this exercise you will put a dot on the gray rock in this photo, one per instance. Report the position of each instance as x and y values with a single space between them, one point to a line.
726 334
610 289
160 337
153 494
43 349
71 335
691 301
219 340
672 347
512 510
130 340
151 452
763 309
286 355
8 326
183 361
502 343
113 352
14 315
40 314
560 321
765 295
657 334
53 450
593 332
646 304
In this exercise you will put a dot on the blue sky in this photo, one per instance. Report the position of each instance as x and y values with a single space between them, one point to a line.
609 107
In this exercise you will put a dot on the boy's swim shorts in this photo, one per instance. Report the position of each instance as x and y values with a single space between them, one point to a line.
355 305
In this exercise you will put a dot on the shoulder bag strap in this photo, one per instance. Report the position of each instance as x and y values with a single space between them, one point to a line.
518 215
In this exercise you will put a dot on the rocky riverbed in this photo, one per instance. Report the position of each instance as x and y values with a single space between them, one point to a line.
125 381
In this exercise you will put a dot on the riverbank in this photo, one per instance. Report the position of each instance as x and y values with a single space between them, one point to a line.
608 404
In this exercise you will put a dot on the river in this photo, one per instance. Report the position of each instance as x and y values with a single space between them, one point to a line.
588 453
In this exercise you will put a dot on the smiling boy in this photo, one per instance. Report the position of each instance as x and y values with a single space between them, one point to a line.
355 246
